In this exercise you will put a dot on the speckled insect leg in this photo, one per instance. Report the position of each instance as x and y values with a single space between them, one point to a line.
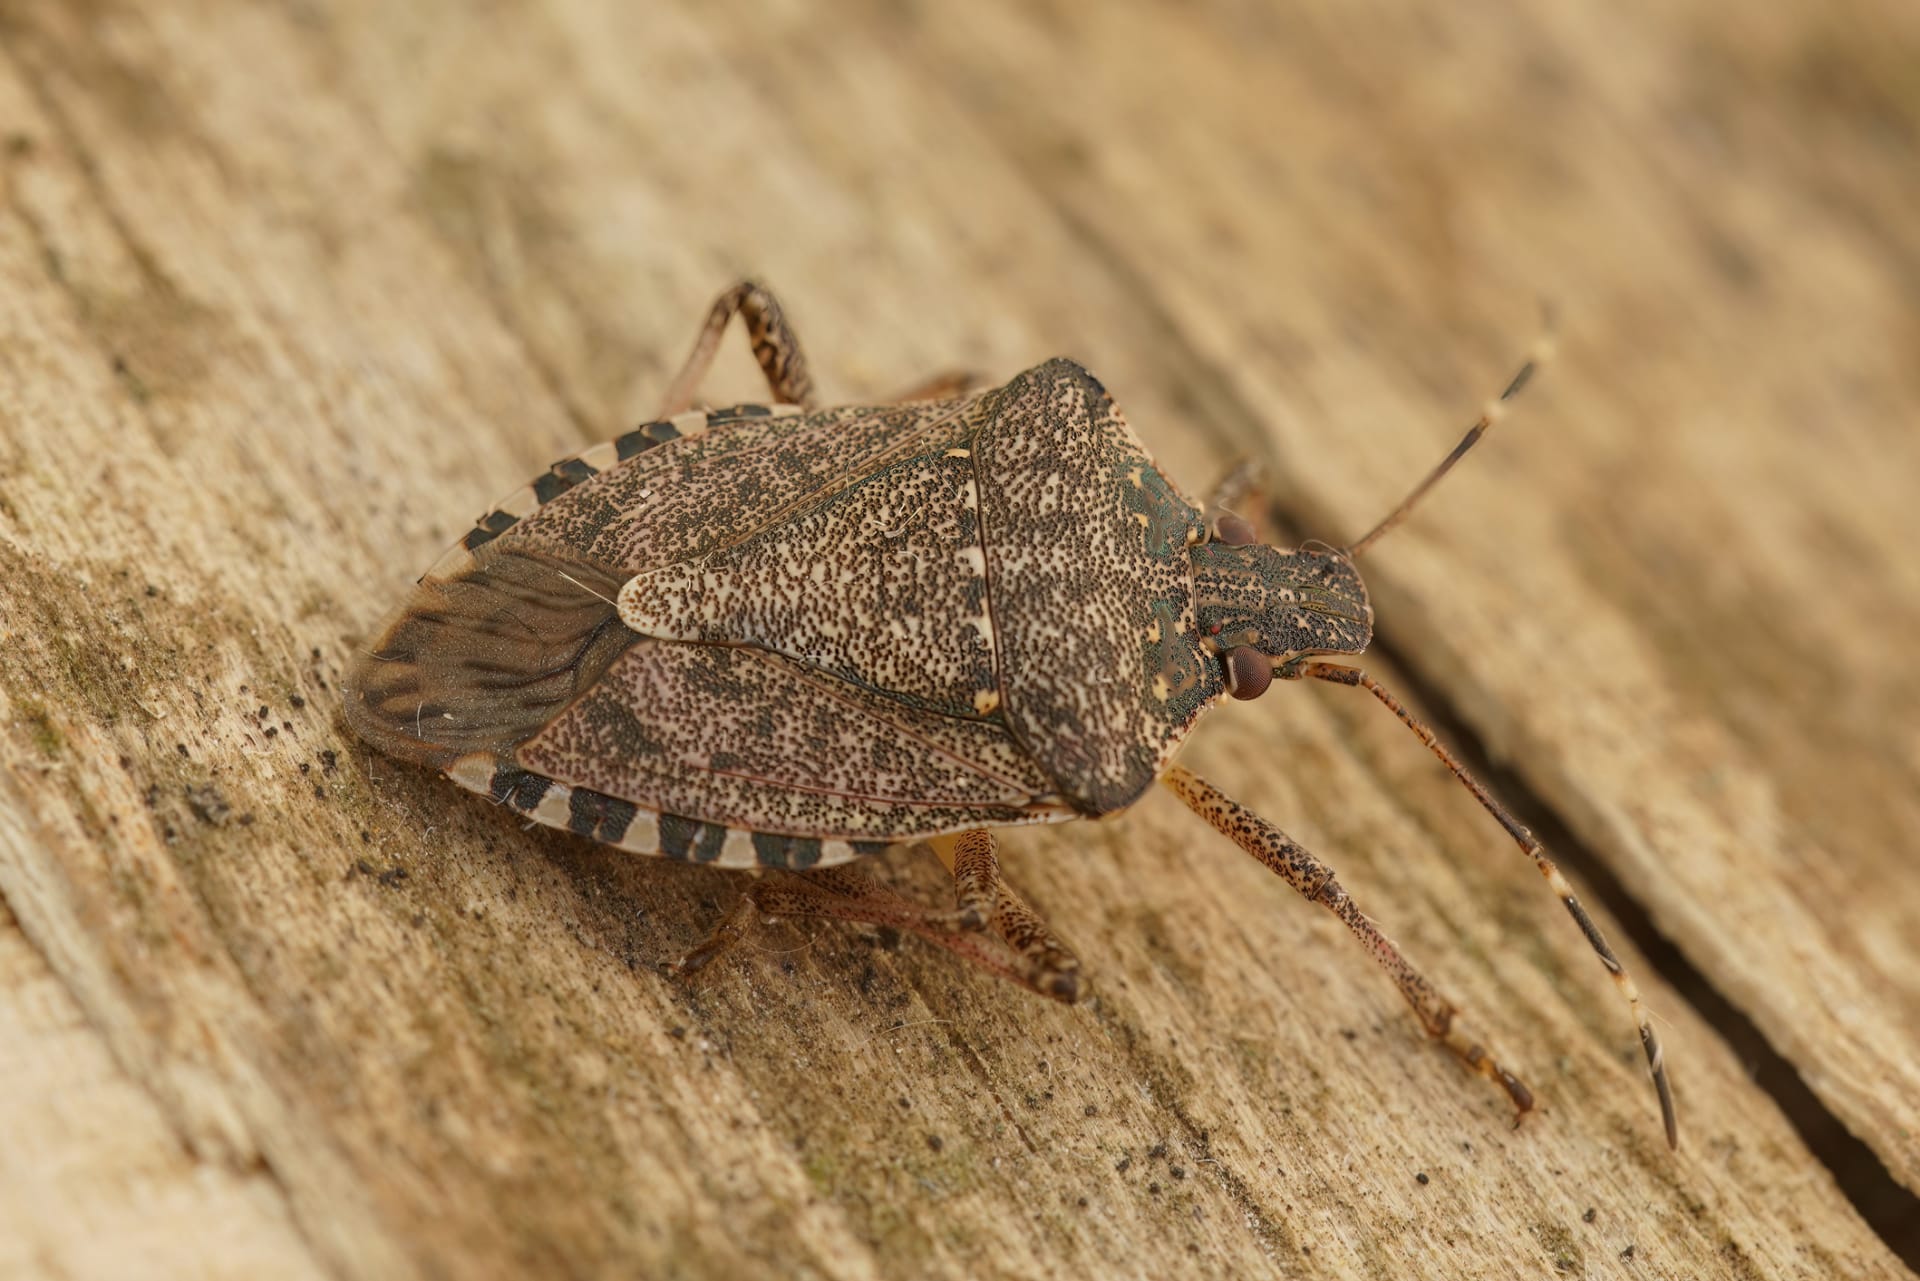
1236 490
1030 955
1341 674
976 879
733 927
980 890
943 386
774 346
1043 963
1242 482
1315 881
842 894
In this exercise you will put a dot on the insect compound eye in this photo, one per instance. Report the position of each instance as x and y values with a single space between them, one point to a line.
1249 672
1232 530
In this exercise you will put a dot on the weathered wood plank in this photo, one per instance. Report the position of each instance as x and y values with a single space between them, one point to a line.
96 1182
289 296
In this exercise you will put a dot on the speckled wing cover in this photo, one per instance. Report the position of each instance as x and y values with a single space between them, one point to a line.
843 629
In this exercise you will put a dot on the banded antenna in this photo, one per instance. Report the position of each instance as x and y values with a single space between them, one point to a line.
1541 353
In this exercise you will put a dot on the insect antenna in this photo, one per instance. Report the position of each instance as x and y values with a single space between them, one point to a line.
1541 353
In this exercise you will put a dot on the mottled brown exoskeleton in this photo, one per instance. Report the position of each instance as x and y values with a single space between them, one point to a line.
789 637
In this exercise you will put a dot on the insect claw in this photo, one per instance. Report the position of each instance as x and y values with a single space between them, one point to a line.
1522 1097
1062 985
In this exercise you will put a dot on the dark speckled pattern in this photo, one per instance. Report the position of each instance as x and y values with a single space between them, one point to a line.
913 619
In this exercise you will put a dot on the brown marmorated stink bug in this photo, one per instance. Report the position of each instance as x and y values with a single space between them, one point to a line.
779 636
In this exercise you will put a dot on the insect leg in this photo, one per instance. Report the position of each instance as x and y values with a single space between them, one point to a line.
1341 674
1242 482
774 346
942 386
839 893
1315 881
732 928
1050 966
1030 956
1238 489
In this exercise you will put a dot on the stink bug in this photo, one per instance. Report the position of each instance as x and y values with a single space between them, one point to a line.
780 636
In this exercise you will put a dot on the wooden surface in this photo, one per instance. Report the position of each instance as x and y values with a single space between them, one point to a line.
289 293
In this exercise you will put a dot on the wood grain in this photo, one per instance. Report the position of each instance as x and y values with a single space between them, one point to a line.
288 294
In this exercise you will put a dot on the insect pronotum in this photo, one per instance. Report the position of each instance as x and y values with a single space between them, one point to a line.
779 636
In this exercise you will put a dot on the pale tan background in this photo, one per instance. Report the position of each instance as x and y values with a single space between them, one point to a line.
289 292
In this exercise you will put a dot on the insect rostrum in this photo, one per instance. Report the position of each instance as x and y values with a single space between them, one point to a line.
788 637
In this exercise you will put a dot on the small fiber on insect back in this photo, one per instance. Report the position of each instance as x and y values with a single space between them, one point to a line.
518 788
